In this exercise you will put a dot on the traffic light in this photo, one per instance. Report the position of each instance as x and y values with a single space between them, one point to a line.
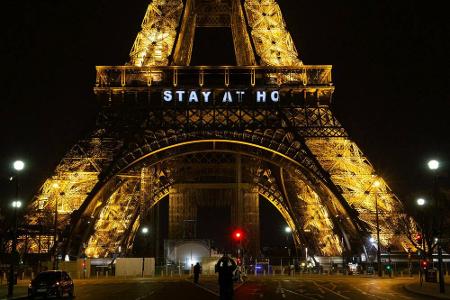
388 267
424 264
238 235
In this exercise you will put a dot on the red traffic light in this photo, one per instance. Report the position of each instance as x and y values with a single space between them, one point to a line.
238 235
424 264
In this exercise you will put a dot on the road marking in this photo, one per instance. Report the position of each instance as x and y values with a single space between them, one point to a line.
280 290
145 296
331 291
295 293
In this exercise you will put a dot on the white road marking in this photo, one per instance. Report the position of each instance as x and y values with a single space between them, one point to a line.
304 296
280 290
331 291
145 296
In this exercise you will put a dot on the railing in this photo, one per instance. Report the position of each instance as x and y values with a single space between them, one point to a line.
124 77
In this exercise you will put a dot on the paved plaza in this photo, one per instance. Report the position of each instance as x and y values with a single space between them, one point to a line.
263 287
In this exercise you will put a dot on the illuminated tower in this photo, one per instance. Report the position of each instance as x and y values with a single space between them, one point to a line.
162 119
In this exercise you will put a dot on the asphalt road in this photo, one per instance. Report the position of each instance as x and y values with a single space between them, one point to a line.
325 287
270 287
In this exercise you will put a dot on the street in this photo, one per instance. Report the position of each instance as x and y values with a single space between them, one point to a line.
264 287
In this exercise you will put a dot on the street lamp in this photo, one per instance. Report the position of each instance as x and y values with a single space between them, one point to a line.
18 166
55 185
433 165
16 204
288 232
421 202
144 232
377 184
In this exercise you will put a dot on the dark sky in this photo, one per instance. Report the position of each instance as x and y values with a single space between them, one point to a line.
391 71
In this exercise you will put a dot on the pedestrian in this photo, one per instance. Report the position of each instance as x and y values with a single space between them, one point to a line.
225 267
197 272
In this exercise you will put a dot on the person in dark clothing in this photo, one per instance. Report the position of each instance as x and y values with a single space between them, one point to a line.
226 267
197 271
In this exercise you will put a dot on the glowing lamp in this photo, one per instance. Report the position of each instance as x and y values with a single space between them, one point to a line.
433 164
18 165
421 202
238 235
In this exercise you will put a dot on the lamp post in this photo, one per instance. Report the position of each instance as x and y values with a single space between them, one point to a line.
421 202
433 165
288 232
18 166
377 184
144 232
55 229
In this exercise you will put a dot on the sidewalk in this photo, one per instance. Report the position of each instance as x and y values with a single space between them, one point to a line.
20 290
428 289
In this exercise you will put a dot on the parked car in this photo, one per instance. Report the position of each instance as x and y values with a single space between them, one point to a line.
51 283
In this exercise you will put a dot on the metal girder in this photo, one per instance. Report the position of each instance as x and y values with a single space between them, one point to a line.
155 41
308 210
352 172
74 177
272 42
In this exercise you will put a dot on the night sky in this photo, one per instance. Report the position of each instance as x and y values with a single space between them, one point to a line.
391 71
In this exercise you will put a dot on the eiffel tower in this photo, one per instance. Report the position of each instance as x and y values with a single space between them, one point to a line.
262 128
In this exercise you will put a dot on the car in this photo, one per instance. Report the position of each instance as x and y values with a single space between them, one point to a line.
51 283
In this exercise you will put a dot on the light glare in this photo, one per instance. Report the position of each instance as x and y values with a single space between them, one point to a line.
18 165
16 204
145 230
421 202
433 164
288 229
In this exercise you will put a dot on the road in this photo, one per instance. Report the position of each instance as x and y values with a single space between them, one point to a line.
304 287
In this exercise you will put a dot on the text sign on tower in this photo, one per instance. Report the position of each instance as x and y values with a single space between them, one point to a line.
219 96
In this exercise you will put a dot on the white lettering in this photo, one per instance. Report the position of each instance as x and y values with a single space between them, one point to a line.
260 96
168 96
193 97
206 96
240 95
275 96
180 95
227 97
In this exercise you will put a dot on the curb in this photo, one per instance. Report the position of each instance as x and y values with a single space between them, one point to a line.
408 289
15 298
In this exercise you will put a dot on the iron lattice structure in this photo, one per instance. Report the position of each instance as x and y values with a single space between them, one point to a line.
298 156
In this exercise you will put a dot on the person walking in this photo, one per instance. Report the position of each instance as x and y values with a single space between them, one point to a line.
225 267
197 271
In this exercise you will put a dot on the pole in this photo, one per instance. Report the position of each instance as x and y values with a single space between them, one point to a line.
378 236
440 266
55 236
14 245
143 262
